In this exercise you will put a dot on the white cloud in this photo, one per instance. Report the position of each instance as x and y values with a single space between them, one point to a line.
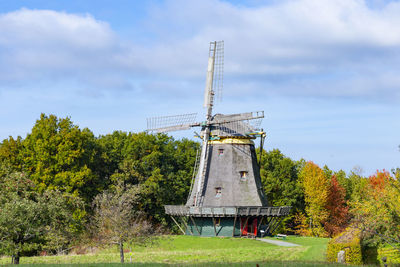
46 27
312 48
49 45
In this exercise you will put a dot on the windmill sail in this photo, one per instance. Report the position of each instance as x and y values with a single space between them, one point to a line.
215 72
171 123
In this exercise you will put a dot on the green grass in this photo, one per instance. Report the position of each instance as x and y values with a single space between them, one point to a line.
315 247
189 251
247 264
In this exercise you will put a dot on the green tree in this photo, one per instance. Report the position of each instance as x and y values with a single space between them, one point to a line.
279 176
161 165
21 215
66 218
59 155
11 155
30 221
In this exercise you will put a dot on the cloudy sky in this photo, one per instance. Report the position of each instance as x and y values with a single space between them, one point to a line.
326 72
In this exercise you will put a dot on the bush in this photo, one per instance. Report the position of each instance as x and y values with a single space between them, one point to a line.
349 241
392 254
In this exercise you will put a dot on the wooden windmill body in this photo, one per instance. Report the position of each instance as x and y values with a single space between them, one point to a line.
226 196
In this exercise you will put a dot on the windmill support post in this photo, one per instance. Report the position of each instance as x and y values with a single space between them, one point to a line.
269 225
186 225
261 220
172 217
194 223
234 226
215 228
277 224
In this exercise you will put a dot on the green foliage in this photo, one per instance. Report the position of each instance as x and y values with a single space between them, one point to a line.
279 176
357 187
30 221
161 165
349 241
392 254
21 216
59 155
10 155
65 216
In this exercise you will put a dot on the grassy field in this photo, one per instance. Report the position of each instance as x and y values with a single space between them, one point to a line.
315 248
202 251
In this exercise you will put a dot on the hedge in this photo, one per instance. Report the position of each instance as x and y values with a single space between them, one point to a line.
349 241
392 254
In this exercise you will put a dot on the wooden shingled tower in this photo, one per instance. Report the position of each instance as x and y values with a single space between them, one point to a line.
226 196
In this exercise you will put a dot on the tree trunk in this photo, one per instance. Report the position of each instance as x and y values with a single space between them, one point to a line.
121 251
16 258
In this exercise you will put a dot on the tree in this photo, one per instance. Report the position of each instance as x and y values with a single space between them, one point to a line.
378 210
315 185
11 154
115 221
30 221
357 186
280 180
59 155
338 210
161 166
21 217
66 217
279 176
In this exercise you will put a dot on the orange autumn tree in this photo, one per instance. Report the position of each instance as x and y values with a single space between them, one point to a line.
316 188
378 182
337 208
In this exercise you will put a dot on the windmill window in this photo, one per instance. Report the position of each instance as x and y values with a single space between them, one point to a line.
218 192
220 151
243 175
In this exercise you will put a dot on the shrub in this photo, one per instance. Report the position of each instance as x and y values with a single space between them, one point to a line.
349 241
392 254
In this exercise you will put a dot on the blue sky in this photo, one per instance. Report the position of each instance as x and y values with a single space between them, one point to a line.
326 72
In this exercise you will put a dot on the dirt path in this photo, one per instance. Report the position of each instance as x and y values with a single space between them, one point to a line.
278 242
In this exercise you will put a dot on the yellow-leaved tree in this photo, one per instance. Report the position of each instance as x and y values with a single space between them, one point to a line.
316 188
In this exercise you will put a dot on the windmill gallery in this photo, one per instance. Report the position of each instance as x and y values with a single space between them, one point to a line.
226 196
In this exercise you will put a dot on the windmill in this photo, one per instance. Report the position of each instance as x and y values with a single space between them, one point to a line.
226 196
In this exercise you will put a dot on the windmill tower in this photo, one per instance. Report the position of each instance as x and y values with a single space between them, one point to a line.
226 196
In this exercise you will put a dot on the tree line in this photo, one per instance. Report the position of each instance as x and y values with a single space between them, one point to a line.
326 202
60 184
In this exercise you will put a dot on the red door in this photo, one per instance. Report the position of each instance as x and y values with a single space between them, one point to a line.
255 227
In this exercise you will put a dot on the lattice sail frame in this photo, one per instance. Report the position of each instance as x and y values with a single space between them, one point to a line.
218 81
167 123
236 124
